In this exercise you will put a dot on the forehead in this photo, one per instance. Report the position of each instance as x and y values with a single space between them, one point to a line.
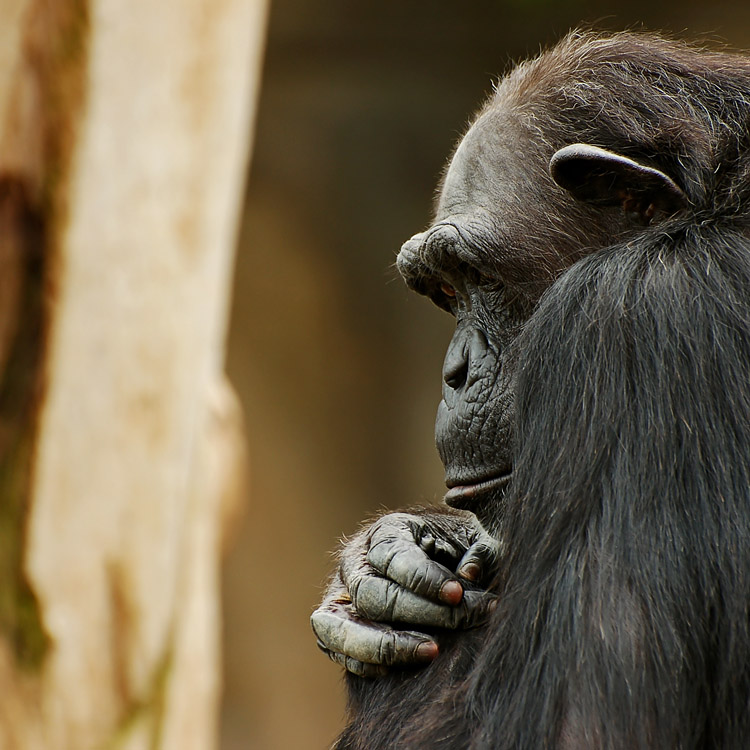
487 169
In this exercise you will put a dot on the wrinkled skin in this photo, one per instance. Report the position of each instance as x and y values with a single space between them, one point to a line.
424 569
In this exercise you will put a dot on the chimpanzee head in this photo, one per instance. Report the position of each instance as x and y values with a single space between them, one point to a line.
592 144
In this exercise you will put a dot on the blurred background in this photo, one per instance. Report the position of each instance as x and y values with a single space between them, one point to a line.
336 364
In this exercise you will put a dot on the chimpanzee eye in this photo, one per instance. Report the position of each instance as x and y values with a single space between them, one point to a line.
447 290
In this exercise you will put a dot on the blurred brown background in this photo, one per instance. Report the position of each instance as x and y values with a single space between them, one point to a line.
337 366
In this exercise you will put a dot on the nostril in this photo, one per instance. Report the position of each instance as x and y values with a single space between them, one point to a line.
456 367
466 358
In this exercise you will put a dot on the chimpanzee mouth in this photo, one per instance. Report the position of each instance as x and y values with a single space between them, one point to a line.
465 496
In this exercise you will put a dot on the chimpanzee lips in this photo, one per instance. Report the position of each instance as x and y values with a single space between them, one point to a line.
466 496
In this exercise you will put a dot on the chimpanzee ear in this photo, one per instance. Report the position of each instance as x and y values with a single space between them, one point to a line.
594 175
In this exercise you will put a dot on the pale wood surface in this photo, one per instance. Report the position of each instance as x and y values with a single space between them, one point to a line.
130 140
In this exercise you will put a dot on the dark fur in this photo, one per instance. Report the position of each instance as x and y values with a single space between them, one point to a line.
625 586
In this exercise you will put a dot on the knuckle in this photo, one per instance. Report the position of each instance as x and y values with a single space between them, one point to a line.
354 585
387 648
320 622
377 599
389 521
382 553
427 580
314 620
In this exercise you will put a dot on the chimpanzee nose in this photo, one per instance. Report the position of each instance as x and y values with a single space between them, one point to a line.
456 366
463 360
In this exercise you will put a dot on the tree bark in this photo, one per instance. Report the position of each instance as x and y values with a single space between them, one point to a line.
124 127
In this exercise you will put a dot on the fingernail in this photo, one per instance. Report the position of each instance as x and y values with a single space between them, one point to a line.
427 651
492 606
451 592
470 571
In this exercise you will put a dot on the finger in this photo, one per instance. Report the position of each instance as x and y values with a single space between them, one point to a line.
479 561
437 548
476 608
360 668
402 561
382 600
371 643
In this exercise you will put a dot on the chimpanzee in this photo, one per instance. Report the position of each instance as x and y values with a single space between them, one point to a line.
592 240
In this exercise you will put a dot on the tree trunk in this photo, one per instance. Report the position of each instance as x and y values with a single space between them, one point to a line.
124 127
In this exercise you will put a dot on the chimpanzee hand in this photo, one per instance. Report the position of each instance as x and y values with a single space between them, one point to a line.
422 568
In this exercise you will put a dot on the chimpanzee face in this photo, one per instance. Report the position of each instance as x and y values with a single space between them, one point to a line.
455 262
494 247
